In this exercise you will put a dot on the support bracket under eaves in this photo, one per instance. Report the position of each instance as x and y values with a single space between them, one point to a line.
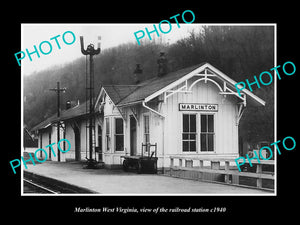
241 109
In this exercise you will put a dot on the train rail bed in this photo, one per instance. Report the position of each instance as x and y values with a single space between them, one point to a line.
39 184
31 187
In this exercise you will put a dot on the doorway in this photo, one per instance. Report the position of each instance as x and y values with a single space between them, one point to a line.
49 144
132 136
77 144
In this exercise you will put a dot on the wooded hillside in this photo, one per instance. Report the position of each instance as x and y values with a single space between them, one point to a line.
239 51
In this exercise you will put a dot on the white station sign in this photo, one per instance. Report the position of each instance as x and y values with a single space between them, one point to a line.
198 107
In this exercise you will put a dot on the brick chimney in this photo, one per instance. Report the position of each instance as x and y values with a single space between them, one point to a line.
137 72
162 65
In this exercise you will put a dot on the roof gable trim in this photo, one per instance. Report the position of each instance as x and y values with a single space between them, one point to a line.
177 82
201 68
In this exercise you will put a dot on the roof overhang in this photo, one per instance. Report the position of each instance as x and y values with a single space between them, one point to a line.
99 95
228 82
130 103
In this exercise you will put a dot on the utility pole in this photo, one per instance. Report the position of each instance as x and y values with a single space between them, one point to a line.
58 90
91 52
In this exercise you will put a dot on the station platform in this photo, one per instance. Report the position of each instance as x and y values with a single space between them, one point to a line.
118 182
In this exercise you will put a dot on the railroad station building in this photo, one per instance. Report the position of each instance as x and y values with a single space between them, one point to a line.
192 112
72 127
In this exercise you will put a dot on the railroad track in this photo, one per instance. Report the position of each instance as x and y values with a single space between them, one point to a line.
34 183
31 187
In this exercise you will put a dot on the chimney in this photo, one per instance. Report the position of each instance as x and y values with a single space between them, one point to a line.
137 73
68 104
162 64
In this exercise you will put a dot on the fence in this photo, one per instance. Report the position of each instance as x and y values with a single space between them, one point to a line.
229 171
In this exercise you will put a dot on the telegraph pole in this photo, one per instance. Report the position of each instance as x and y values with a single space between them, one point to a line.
58 90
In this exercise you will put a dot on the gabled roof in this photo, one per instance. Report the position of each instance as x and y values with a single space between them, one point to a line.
118 92
155 84
75 112
123 95
44 124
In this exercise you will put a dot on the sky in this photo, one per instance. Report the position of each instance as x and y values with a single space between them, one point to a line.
111 35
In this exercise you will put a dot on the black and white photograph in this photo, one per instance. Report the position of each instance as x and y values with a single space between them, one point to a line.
165 116
160 116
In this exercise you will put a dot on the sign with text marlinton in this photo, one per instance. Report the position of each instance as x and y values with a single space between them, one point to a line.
198 107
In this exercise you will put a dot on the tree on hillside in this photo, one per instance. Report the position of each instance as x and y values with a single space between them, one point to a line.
239 51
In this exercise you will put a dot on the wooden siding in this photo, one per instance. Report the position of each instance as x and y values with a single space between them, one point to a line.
111 157
167 133
226 131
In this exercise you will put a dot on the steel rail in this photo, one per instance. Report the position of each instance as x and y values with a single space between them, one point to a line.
39 186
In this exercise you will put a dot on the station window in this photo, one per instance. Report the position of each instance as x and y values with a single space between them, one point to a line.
107 134
100 138
207 133
189 133
119 134
146 130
